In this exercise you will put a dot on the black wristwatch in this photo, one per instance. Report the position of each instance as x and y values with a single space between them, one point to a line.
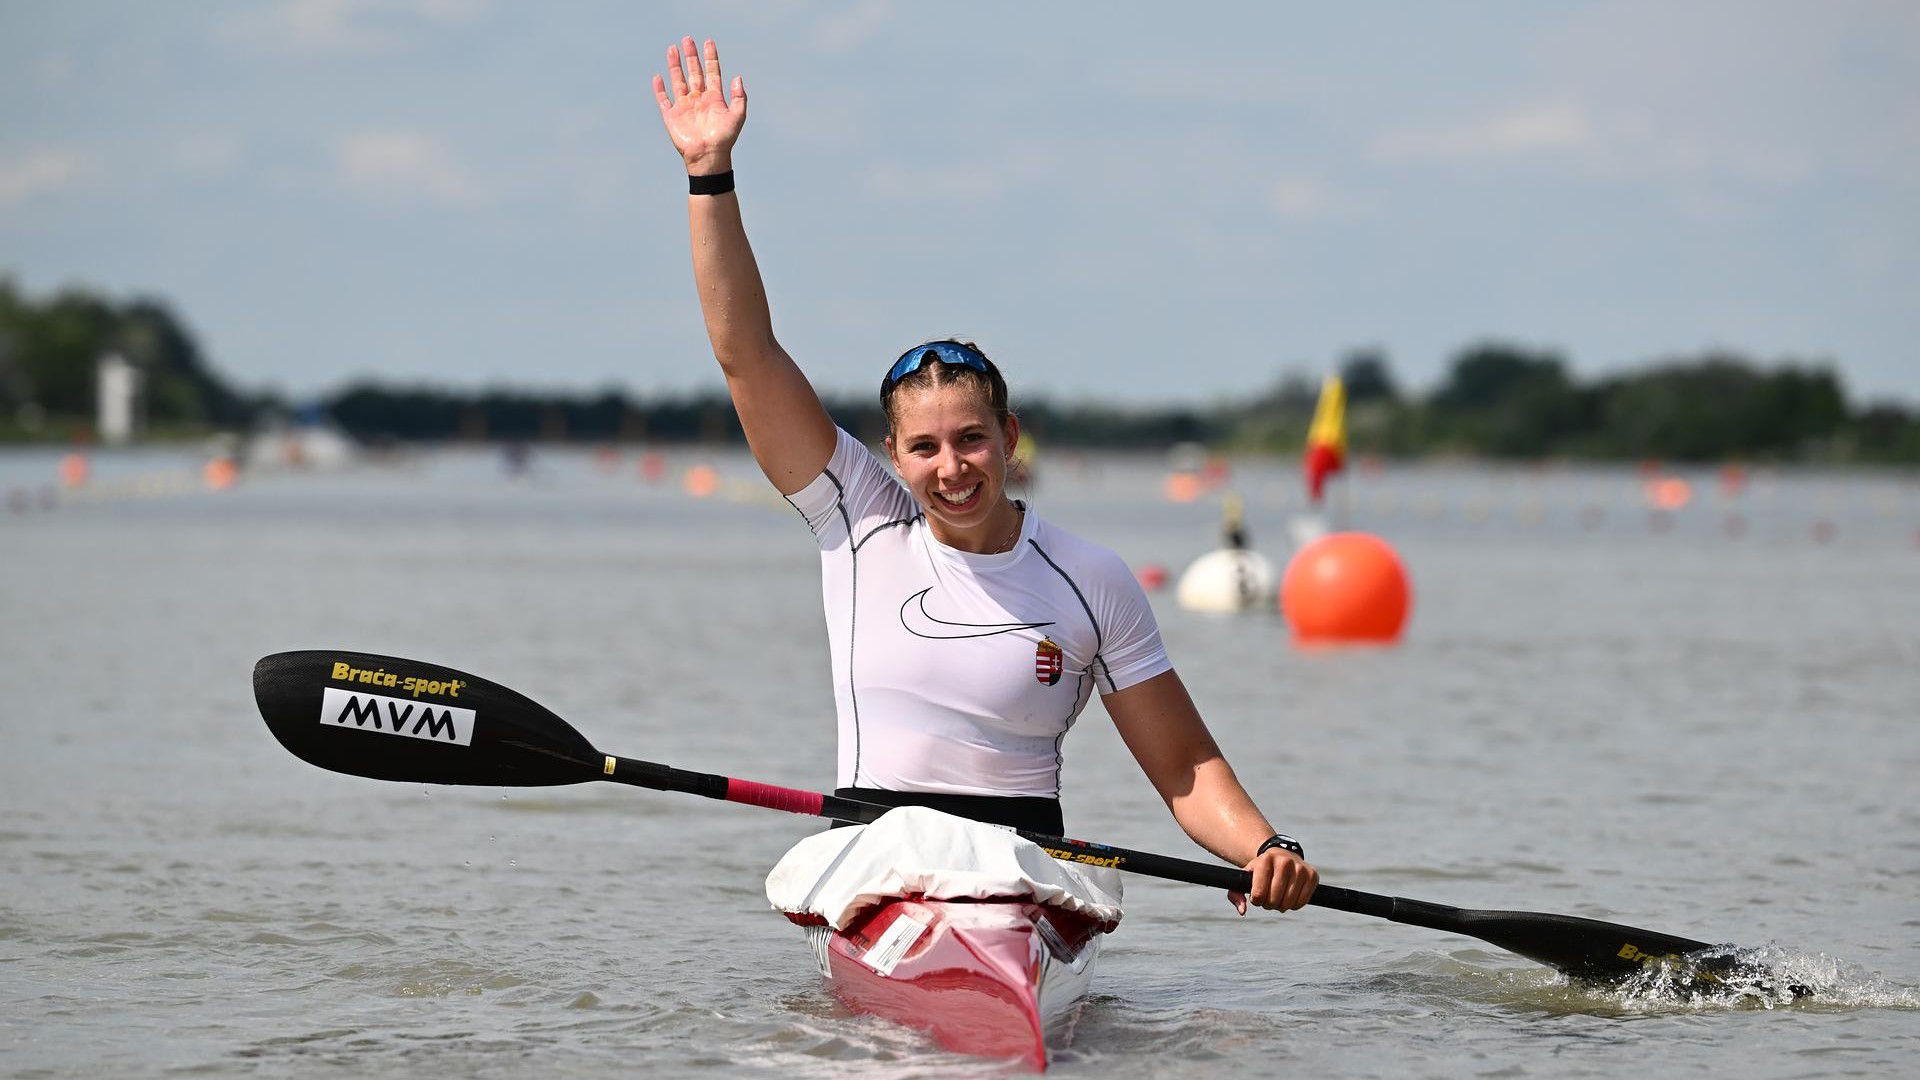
1281 840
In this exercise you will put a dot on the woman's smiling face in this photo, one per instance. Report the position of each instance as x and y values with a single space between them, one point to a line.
951 451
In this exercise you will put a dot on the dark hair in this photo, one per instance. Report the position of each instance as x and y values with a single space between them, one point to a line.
933 373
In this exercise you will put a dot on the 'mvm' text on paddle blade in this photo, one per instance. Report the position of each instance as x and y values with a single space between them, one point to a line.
389 718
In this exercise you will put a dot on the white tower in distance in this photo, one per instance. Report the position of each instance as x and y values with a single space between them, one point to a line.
117 393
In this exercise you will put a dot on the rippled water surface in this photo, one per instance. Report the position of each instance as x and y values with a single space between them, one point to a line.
1703 723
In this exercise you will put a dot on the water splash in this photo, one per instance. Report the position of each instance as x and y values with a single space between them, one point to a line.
1767 977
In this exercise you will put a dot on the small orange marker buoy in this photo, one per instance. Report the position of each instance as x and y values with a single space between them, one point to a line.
1347 587
653 467
701 481
220 473
1669 493
1183 487
74 470
1152 576
1824 531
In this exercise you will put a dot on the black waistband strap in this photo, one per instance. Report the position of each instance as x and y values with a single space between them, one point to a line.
1033 813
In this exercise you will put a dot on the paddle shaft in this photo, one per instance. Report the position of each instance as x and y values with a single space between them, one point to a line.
1583 948
795 801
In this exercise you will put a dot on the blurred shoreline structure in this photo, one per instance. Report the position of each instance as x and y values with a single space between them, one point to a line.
1498 401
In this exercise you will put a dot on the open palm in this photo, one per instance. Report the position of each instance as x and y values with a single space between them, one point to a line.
700 119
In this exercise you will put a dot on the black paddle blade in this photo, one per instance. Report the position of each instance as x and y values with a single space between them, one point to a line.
1611 954
1585 949
386 718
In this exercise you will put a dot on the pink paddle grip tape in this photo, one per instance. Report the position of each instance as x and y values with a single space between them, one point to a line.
792 800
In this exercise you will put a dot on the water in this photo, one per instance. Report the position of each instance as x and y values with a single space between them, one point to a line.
1680 724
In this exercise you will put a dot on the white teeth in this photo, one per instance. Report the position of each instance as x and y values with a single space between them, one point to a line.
957 498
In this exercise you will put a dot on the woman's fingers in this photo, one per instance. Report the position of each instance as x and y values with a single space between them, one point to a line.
710 66
677 76
1309 881
696 75
1282 883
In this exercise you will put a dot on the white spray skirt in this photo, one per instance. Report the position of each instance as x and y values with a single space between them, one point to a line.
915 851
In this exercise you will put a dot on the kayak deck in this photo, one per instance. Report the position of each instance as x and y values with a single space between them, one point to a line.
1003 979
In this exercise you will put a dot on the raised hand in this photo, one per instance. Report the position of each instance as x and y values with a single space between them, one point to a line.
700 119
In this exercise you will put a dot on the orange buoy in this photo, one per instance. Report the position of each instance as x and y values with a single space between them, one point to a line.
1346 587
653 467
220 473
1152 576
701 481
1669 493
1183 487
74 470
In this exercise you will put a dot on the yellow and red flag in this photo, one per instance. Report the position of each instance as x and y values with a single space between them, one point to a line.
1327 438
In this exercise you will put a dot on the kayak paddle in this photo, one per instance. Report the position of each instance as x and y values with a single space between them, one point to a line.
388 718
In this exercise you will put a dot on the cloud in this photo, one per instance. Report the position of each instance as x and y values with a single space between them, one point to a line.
206 154
406 166
848 29
1546 127
54 71
342 26
1298 198
40 172
963 183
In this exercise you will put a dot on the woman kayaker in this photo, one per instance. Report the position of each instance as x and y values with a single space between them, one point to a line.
966 633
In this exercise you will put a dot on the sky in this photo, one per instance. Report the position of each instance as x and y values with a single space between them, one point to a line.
1124 203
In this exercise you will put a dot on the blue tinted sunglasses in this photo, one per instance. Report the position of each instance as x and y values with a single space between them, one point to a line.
946 352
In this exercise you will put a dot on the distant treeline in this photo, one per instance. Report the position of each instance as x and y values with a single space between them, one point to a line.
49 349
1497 400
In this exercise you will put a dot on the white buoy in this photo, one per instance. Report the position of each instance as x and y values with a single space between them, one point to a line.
1227 581
1232 579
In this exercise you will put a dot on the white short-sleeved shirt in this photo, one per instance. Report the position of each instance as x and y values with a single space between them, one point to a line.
955 672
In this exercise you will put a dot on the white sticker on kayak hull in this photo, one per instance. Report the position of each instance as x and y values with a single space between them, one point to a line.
397 716
892 947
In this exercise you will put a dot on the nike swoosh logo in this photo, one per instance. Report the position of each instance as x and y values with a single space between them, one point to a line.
913 616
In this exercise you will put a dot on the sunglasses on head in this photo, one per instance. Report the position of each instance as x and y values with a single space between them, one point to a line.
944 352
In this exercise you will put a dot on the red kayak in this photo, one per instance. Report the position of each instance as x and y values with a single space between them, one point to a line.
990 978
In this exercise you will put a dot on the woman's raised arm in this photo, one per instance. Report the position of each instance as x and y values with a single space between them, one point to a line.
790 433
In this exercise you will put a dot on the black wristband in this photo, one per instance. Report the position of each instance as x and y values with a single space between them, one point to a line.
1281 840
716 184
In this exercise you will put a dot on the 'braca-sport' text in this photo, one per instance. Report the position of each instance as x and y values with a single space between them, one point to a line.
1086 858
396 716
412 684
1647 959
